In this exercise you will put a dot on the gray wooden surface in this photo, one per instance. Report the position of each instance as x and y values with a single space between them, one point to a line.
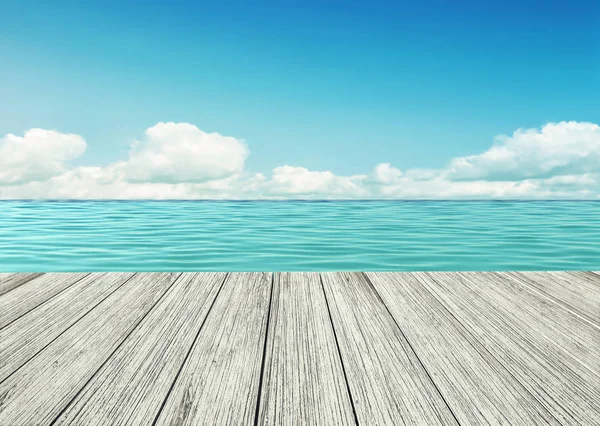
26 336
37 393
303 375
219 383
10 281
28 295
480 391
131 386
300 348
387 381
577 338
543 368
577 291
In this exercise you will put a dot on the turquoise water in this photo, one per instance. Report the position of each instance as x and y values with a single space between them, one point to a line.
294 236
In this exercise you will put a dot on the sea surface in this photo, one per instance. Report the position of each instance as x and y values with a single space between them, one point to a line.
298 235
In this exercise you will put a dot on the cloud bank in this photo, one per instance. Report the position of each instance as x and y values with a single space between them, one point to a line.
180 161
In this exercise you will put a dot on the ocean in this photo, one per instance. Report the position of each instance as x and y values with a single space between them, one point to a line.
299 235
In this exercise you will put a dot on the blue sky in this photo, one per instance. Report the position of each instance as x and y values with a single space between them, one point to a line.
329 86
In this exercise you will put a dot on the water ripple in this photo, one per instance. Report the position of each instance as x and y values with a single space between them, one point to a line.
293 236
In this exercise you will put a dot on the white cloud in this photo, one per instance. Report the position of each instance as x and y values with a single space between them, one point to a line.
181 152
386 174
557 149
108 183
37 156
298 181
180 161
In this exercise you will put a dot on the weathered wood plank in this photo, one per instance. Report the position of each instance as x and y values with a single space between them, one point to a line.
477 387
538 364
10 281
38 392
592 278
578 291
33 293
303 378
219 382
552 322
387 382
117 347
29 334
131 387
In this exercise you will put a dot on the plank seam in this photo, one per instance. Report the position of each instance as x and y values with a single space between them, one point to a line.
339 352
483 348
44 301
66 329
368 280
555 300
116 349
187 355
567 353
264 355
24 282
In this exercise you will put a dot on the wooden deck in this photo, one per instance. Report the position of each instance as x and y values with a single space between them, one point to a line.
300 348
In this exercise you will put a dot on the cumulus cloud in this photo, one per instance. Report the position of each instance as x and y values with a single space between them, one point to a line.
37 156
181 152
386 174
557 149
180 161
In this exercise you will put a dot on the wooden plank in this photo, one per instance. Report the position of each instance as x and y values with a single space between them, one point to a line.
10 281
219 382
538 364
29 334
303 379
554 323
131 387
33 293
591 277
578 291
387 382
38 392
477 387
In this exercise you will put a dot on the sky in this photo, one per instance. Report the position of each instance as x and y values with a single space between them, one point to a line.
284 99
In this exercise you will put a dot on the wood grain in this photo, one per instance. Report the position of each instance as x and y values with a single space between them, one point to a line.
38 392
219 382
303 377
539 365
131 387
577 291
553 323
381 348
33 293
387 382
29 334
10 281
476 386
